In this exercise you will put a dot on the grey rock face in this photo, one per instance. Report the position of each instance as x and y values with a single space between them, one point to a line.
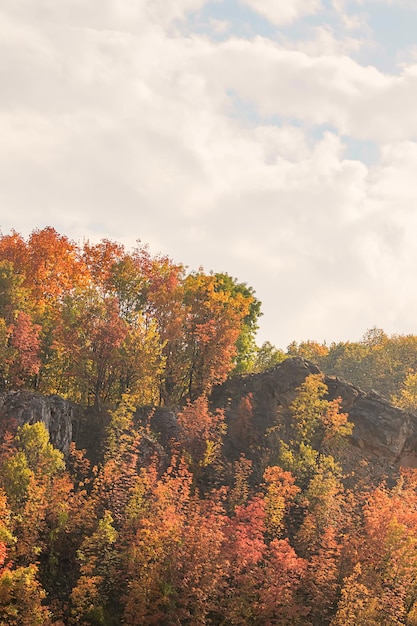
162 423
380 429
27 408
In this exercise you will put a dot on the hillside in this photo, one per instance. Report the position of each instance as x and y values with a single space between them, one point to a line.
304 506
159 468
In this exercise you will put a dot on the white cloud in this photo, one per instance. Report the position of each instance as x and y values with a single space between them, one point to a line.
408 4
114 124
325 42
334 90
351 21
219 26
283 12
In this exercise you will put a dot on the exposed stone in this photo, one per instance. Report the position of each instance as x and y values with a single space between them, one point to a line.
162 423
151 451
25 407
380 429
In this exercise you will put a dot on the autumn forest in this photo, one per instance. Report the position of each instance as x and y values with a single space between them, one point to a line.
218 519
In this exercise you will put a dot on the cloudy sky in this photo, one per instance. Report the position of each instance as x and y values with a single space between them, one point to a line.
275 140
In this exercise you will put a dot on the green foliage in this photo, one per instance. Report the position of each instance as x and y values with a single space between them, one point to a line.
246 354
301 461
41 456
406 398
267 356
15 478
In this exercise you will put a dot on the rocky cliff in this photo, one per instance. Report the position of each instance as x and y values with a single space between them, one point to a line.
24 407
381 431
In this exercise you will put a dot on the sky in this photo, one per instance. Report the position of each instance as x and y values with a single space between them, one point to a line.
275 140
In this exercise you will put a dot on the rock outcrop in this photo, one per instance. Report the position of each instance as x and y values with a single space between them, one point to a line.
161 421
381 430
25 407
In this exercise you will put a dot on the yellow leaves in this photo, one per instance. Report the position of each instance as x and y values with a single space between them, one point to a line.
357 606
21 598
211 453
317 420
280 492
142 360
15 478
309 407
406 398
336 425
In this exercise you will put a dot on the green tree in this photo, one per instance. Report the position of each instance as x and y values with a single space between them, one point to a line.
246 349
267 356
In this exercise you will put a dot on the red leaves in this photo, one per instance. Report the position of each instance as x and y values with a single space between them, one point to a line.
3 554
281 594
198 424
246 535
25 340
195 319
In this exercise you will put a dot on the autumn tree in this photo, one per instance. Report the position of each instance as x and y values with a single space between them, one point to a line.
28 476
245 549
100 260
181 551
212 327
310 350
280 492
13 249
91 596
406 398
357 605
317 428
378 362
117 476
240 490
316 420
87 348
24 340
22 597
201 435
54 266
267 355
242 421
142 361
281 595
388 553
246 348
